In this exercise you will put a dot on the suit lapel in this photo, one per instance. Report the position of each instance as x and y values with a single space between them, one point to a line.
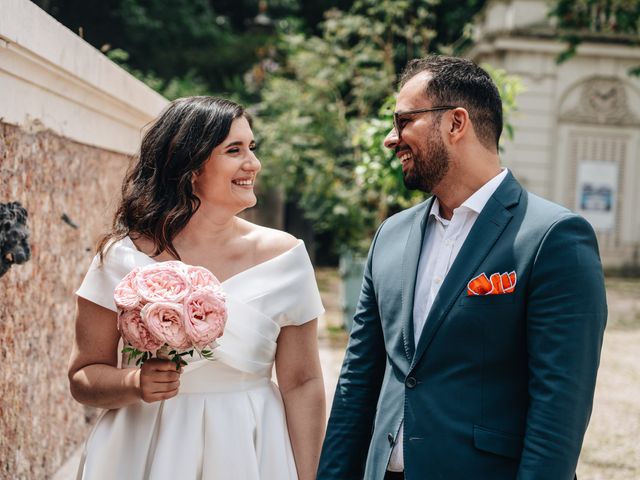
488 227
410 260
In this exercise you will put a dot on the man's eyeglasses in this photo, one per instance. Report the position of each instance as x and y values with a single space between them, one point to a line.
397 115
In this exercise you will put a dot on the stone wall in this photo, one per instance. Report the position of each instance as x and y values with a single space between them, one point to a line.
53 177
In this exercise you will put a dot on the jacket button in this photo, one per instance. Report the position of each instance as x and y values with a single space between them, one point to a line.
410 382
390 438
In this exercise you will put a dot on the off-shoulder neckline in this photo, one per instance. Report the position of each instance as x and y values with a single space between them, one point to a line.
300 243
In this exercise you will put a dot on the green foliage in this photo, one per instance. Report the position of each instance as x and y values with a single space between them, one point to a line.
605 16
327 107
164 352
580 19
509 87
204 44
176 87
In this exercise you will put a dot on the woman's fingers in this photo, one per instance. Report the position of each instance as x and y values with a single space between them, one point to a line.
156 397
166 387
159 380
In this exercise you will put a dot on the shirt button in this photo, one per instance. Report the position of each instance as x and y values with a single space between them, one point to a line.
438 279
410 382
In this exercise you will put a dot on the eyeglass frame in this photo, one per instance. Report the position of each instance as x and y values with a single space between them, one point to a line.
396 115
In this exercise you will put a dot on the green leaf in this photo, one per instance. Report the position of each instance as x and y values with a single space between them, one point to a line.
206 353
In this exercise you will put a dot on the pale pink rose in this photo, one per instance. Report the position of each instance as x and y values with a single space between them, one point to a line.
165 320
206 315
134 331
125 294
163 282
201 277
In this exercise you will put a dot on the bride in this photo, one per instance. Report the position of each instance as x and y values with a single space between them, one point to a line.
220 419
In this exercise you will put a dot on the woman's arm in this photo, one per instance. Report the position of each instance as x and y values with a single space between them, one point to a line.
300 381
94 378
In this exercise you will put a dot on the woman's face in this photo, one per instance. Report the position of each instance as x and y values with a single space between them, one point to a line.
228 176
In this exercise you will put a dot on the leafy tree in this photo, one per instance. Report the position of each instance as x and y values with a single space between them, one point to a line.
207 44
326 108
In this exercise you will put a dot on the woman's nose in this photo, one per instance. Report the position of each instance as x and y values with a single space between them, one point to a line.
253 163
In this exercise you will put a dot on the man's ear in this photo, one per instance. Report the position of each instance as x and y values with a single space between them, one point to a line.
459 125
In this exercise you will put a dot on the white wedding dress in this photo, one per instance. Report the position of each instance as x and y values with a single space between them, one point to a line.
228 420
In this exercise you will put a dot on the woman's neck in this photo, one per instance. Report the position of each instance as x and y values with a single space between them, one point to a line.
211 226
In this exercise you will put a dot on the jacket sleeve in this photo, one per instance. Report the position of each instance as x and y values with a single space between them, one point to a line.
352 416
566 317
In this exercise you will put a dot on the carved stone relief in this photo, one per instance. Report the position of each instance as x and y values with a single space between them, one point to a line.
603 101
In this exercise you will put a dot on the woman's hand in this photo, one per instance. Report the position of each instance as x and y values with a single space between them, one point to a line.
94 376
159 380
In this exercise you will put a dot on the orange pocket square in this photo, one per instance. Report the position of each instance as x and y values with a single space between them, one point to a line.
496 284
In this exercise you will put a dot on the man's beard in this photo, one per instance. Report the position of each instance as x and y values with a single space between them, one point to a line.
430 165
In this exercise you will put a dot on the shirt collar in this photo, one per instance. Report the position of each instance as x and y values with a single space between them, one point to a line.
475 202
479 199
435 212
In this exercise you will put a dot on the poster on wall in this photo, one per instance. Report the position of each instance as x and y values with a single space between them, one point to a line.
596 191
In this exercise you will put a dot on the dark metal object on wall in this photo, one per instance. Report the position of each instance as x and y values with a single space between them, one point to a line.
14 236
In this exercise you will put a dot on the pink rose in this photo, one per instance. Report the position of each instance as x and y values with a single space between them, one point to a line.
163 282
125 294
165 320
135 332
206 315
201 277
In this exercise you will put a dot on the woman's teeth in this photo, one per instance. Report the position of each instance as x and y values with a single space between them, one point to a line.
243 183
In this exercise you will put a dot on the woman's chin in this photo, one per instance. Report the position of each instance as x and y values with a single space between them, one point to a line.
247 202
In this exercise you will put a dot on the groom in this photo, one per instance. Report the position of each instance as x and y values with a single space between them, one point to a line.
477 336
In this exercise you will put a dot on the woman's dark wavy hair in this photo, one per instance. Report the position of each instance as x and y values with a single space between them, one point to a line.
157 192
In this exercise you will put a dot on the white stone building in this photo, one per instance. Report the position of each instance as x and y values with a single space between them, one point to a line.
577 129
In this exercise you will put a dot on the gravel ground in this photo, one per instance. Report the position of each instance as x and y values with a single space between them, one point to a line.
611 449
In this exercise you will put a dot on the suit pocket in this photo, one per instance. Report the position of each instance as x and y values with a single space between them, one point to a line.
486 300
500 443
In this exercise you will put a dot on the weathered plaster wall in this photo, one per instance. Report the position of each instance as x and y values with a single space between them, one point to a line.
40 424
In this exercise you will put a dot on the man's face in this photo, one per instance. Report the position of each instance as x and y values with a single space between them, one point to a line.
419 144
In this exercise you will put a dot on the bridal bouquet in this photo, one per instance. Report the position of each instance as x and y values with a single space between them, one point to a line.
170 309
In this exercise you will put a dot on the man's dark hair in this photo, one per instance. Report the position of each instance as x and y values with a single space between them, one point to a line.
462 83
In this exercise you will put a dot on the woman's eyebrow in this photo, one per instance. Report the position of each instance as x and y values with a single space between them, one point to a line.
238 142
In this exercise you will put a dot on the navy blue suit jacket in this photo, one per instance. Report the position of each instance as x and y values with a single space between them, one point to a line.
498 386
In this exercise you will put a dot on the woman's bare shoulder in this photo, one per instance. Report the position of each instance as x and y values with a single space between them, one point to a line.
270 242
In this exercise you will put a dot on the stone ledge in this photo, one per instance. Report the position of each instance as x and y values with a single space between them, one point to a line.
50 74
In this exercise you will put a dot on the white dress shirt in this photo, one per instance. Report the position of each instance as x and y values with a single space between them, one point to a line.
440 247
